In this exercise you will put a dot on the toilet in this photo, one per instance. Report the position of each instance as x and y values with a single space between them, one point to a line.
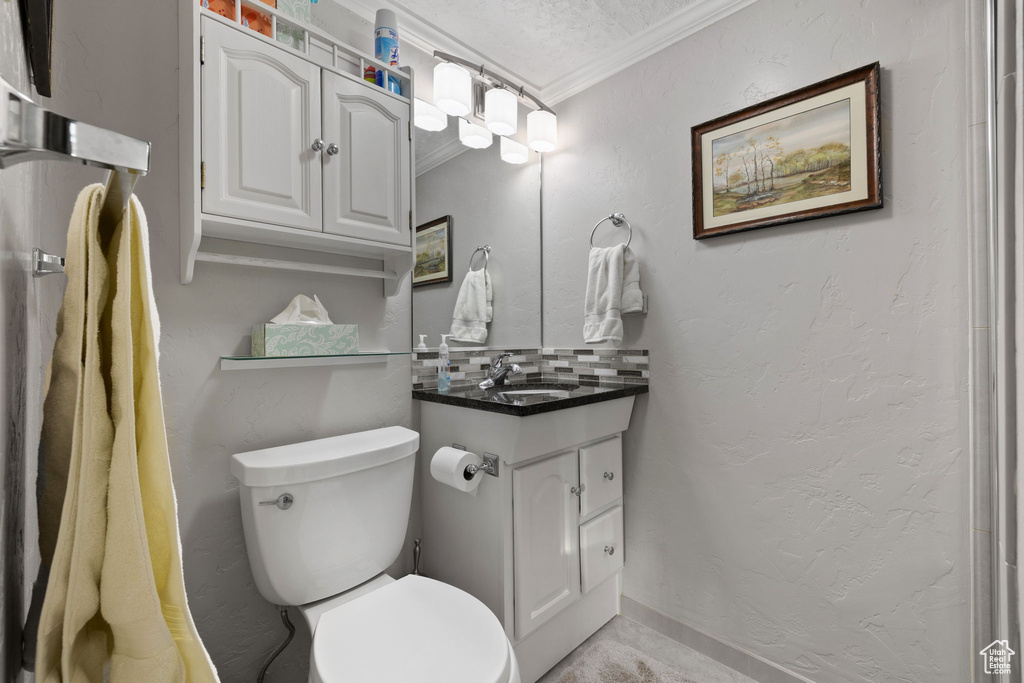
323 520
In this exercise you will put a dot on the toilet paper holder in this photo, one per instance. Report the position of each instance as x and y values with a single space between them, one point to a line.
488 466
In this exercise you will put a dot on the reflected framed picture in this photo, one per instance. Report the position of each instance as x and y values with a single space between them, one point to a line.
433 253
810 153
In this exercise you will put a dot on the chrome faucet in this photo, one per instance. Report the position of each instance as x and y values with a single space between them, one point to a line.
499 371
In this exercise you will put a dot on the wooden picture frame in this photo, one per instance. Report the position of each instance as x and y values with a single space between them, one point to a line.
810 153
432 253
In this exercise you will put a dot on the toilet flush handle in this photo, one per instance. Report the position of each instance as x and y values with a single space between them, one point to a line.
283 502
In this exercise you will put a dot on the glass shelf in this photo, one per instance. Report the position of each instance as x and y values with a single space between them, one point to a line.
268 362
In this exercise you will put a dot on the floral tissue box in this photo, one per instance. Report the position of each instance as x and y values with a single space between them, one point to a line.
270 339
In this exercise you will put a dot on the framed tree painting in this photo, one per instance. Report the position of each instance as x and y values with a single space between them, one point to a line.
433 253
810 153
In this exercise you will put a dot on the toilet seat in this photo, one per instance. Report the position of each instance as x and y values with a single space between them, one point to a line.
412 630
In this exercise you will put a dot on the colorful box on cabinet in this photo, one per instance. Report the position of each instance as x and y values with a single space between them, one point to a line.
270 339
257 21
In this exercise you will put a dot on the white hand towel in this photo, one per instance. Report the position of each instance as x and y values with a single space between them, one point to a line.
632 296
473 308
602 307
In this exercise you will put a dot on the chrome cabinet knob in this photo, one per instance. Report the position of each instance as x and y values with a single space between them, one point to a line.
283 502
317 145
609 475
576 490
332 149
610 549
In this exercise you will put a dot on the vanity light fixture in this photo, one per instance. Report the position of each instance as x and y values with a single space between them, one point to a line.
474 136
453 89
428 117
514 152
453 95
542 130
501 111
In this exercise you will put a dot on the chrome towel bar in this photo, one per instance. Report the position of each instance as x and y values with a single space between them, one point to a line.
31 132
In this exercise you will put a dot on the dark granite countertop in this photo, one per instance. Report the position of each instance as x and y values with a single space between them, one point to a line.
496 400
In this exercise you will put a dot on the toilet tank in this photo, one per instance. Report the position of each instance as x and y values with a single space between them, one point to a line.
323 516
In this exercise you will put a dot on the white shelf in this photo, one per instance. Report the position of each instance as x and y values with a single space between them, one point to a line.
271 362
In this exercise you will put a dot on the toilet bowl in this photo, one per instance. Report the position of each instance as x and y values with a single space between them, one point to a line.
323 520
413 629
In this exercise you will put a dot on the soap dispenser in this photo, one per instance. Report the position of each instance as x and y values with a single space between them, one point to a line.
423 343
444 379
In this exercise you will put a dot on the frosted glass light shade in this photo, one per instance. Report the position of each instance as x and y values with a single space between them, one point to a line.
514 152
429 117
453 89
473 135
542 130
501 111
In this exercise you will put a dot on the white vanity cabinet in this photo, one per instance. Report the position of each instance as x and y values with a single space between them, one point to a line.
545 530
541 544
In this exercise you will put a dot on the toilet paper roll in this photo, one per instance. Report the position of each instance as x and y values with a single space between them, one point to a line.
448 466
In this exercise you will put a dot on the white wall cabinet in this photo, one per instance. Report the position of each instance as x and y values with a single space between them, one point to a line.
260 113
542 544
291 148
366 184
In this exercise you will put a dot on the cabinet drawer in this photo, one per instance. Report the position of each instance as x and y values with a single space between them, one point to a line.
601 548
600 474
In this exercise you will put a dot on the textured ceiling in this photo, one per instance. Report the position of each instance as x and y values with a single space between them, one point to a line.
541 40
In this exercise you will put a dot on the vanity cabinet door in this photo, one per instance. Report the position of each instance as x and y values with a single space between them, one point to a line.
260 116
601 474
366 176
545 530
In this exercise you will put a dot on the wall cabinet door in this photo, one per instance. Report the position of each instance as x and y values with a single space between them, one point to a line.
545 528
260 116
366 182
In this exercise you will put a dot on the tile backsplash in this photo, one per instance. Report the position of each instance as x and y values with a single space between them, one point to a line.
587 367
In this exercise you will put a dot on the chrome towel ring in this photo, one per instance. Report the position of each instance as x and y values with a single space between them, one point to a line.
486 249
617 220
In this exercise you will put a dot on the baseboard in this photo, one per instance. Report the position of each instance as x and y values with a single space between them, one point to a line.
746 663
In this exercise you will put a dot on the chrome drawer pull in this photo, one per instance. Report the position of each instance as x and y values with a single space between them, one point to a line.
332 149
610 549
576 490
283 502
609 475
317 145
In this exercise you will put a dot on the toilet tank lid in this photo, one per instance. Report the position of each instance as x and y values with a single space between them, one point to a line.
324 458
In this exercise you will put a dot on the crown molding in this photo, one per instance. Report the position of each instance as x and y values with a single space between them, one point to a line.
639 47
445 152
423 35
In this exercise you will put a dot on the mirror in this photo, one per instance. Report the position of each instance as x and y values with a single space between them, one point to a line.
491 202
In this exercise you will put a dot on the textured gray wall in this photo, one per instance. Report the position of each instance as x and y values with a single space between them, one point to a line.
491 202
116 66
796 481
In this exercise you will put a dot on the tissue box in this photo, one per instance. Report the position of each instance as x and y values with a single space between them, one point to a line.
270 339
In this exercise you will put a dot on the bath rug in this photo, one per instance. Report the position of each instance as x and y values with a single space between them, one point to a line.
610 662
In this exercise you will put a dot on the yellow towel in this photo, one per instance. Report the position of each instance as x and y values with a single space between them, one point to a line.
115 592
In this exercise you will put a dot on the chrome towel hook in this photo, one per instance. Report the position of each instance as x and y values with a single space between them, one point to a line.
617 220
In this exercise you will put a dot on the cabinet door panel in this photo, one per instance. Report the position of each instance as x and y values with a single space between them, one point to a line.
366 184
601 474
260 115
545 532
601 547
